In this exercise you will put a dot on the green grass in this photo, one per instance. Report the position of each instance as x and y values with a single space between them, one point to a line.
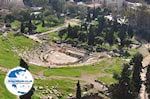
21 42
4 94
107 79
8 58
15 25
64 86
108 66
115 66
53 36
74 71
133 52
36 69
41 29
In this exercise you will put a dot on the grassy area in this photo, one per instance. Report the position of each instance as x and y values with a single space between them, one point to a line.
8 58
4 94
36 69
21 42
64 86
15 25
107 79
108 66
41 29
53 36
133 52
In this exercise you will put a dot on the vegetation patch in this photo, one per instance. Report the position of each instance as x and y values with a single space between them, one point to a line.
4 94
107 79
8 57
59 88
108 66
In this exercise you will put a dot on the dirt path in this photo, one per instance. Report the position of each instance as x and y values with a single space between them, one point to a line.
144 50
87 78
36 38
5 70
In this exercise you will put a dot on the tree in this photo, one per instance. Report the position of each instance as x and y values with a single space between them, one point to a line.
69 30
73 31
82 36
130 31
91 35
62 33
136 77
24 17
122 35
9 18
78 92
122 90
89 18
99 40
101 23
24 64
22 28
148 81
58 5
109 37
30 27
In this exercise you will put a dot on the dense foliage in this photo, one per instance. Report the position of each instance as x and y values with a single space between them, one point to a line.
130 82
96 31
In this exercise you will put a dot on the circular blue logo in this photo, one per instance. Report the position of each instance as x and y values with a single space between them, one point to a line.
19 81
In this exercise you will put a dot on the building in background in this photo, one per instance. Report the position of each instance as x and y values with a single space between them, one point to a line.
11 3
115 4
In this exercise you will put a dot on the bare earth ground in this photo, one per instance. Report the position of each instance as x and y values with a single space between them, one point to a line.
146 61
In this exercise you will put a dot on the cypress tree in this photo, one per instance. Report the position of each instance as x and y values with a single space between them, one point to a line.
31 92
78 92
22 27
24 64
122 89
136 77
148 81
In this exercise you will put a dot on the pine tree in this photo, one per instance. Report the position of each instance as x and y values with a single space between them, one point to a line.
78 92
